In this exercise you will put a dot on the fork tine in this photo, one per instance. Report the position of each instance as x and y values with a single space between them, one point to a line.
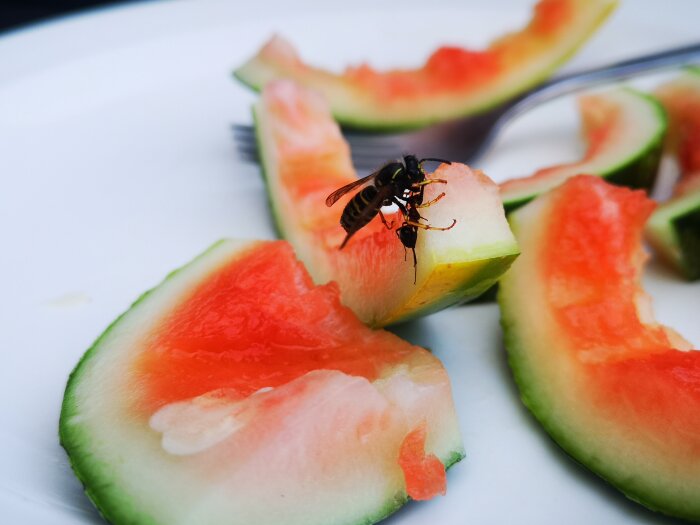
386 146
373 150
374 140
368 151
246 145
244 134
363 144
365 161
243 129
249 156
249 153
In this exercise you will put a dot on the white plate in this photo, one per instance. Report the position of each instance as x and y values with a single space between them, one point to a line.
117 166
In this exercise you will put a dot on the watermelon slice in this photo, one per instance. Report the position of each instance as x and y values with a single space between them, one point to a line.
624 130
674 229
615 389
305 158
236 392
454 82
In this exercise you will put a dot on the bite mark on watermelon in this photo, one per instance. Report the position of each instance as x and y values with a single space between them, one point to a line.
424 473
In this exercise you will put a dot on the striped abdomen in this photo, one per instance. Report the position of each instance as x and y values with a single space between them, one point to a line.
360 210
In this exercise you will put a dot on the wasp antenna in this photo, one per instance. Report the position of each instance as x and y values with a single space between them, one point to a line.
431 159
415 266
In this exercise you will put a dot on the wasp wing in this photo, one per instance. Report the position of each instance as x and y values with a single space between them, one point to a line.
370 209
337 194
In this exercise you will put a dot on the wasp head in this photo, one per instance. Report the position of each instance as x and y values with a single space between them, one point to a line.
414 169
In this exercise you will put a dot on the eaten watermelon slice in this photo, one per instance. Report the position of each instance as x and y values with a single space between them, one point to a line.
624 130
453 82
615 389
237 392
305 158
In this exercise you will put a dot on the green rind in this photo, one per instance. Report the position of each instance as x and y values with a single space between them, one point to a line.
638 171
687 228
541 406
371 123
674 230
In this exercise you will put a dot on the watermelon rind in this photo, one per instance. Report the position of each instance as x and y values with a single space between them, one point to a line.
633 160
119 459
355 108
674 231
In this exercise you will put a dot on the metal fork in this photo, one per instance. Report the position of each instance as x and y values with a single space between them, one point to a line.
468 139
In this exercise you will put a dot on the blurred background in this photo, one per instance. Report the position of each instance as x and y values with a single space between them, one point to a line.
16 13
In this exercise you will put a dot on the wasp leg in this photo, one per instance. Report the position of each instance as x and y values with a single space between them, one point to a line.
421 196
415 265
425 182
431 202
428 227
388 225
401 206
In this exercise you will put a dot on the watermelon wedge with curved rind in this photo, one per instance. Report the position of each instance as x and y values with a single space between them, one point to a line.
624 130
615 389
674 228
236 392
305 158
454 82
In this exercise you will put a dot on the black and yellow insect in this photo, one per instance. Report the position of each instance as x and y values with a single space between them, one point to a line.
399 182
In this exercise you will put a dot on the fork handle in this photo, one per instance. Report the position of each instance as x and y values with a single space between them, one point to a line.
576 81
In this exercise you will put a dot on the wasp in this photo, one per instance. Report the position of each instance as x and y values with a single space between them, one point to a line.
400 182
396 182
